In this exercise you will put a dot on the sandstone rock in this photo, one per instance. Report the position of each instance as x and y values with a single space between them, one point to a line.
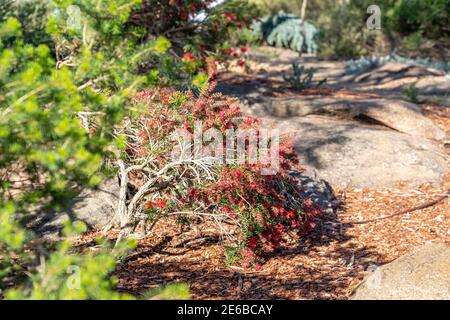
396 114
318 190
423 274
353 140
352 154
96 208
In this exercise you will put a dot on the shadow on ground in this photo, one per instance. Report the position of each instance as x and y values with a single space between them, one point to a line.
322 265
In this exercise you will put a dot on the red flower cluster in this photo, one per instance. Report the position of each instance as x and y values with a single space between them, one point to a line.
256 202
188 57
157 204
227 54
232 19
185 8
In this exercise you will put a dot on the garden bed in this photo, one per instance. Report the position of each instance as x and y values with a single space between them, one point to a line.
328 264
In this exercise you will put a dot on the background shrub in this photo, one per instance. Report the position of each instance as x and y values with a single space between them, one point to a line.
287 31
410 25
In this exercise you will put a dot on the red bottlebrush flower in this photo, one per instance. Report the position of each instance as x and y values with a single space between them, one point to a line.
252 243
291 214
180 203
229 211
280 228
248 120
188 127
189 57
192 8
235 54
159 203
228 16
228 125
193 194
238 174
229 51
259 218
244 50
241 62
252 185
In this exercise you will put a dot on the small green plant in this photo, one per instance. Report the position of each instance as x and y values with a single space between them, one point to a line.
413 41
411 92
301 78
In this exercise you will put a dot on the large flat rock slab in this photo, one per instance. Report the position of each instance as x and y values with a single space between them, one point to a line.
423 274
353 154
396 114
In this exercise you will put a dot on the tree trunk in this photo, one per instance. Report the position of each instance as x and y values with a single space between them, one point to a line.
302 17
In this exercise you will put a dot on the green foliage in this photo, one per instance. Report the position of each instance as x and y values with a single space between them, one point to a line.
287 31
302 78
430 17
66 275
343 30
169 292
314 8
413 41
344 33
32 16
45 152
245 37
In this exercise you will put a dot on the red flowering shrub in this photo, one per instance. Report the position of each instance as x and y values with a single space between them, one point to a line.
193 26
264 208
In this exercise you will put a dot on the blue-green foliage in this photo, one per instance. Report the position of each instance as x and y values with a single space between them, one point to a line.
286 31
302 78
366 63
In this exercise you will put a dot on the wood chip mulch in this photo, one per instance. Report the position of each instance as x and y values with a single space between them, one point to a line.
328 264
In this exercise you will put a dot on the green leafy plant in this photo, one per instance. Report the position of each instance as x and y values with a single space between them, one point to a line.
64 274
430 17
50 94
302 78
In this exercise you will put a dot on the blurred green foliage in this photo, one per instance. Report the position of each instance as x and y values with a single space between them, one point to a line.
51 71
429 17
